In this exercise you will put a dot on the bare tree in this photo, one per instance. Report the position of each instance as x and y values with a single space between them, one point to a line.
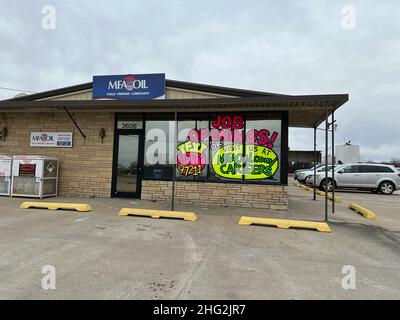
395 161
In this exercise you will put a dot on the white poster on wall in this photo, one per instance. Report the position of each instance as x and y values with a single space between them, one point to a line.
5 168
51 139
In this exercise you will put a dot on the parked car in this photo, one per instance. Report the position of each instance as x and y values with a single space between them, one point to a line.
303 175
365 176
297 172
310 179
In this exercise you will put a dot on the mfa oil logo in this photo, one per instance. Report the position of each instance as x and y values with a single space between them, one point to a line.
129 83
43 137
129 87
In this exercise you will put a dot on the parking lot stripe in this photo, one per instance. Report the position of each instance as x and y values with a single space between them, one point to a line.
81 207
285 224
187 216
368 214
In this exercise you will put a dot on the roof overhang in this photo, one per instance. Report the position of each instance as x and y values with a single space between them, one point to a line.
173 84
305 111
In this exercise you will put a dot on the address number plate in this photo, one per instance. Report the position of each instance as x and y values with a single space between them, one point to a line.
129 125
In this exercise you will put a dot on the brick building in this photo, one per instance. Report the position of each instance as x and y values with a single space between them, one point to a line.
228 147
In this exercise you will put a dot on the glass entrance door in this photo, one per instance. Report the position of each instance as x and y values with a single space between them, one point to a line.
127 164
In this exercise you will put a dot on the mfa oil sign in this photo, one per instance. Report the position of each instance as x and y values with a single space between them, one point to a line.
129 87
51 139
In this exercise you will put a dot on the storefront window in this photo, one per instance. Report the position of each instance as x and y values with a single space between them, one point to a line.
263 150
159 152
192 150
203 126
184 160
225 147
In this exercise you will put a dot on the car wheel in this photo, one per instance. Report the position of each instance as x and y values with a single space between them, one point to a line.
386 187
326 187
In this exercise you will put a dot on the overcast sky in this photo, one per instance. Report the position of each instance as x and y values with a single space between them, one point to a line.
292 47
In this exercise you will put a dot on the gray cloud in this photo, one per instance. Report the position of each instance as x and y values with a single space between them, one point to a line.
294 47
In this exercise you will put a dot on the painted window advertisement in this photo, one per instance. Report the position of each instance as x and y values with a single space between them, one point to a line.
192 153
230 149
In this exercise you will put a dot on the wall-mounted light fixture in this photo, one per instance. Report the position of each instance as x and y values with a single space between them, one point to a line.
102 134
3 133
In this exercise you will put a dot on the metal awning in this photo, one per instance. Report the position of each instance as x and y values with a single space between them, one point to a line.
305 111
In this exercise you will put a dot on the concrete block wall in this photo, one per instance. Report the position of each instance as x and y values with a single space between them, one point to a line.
218 194
86 168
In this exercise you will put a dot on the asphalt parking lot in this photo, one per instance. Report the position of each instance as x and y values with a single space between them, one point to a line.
100 255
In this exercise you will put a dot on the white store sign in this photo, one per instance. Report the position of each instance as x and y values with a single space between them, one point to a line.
51 139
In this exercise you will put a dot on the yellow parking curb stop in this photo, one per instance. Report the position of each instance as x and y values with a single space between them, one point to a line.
368 214
335 199
303 186
322 194
81 207
187 216
285 224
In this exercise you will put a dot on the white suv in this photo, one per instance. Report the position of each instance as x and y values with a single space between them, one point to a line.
370 176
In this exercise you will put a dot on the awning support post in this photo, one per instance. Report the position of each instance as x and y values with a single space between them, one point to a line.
74 122
315 164
333 161
174 161
326 164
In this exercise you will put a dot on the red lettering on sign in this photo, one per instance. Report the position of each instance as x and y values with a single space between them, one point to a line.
216 124
225 135
232 130
272 140
238 136
214 133
263 137
237 122
251 136
193 135
228 122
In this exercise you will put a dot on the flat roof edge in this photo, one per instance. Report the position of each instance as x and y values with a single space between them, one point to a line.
336 99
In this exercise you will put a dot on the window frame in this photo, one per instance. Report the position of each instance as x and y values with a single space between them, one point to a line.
202 116
352 165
